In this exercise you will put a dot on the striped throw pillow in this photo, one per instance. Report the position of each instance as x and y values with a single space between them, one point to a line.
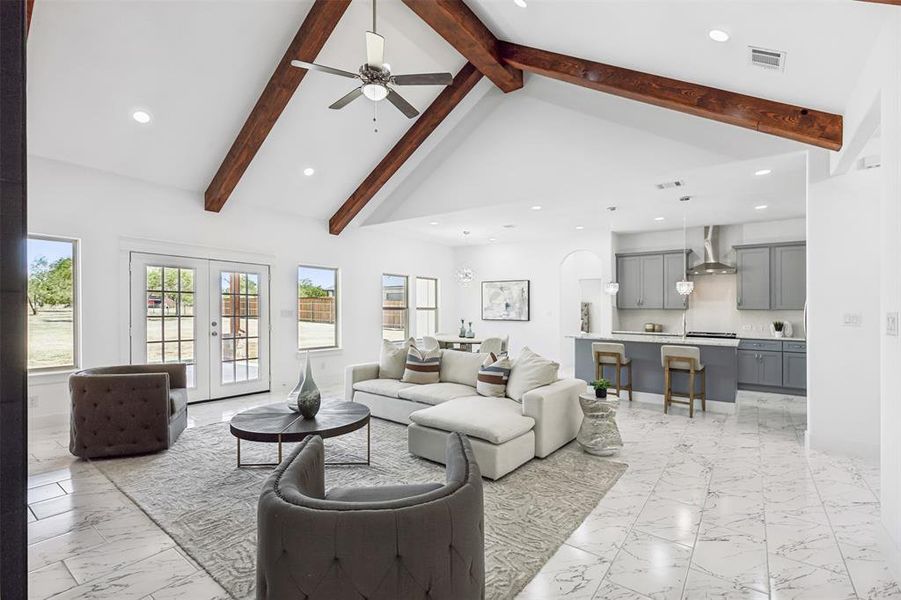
493 376
423 366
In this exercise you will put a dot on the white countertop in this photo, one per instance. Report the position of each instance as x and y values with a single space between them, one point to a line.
659 338
675 338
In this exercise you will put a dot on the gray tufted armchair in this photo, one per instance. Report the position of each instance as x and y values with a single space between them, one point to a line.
130 409
412 542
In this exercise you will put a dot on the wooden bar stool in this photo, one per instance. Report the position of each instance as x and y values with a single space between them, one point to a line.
613 355
685 359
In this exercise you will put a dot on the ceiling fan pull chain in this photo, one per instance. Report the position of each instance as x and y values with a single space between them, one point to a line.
375 112
373 17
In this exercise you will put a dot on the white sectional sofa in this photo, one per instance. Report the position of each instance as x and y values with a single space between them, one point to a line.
504 433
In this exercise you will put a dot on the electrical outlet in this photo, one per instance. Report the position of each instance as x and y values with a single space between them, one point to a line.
852 319
891 323
747 328
286 314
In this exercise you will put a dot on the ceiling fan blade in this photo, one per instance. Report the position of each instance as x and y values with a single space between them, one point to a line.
314 67
347 98
423 79
401 104
375 50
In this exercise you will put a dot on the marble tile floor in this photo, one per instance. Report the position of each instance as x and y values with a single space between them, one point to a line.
722 506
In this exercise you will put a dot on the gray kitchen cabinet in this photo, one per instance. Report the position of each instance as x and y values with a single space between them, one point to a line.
753 265
771 276
648 280
673 271
794 370
760 367
770 368
651 281
789 285
747 367
628 275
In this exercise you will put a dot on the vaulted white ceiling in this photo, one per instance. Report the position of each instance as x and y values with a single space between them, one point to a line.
198 67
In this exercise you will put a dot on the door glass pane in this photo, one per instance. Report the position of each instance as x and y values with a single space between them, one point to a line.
239 294
169 316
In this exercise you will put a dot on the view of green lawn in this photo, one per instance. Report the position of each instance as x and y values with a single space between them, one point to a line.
50 338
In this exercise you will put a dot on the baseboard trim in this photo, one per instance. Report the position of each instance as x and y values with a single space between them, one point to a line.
715 406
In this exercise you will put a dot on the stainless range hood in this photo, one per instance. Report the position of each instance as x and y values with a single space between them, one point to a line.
711 264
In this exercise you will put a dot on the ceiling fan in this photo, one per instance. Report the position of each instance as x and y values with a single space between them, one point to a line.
376 76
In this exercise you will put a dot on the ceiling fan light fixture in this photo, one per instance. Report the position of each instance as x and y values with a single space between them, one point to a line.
375 91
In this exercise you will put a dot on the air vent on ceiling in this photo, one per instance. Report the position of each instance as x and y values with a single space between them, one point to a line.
668 185
768 59
873 161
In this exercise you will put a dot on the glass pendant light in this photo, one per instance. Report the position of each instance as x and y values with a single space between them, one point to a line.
464 276
612 287
685 287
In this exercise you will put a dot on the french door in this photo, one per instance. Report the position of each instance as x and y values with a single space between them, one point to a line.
211 315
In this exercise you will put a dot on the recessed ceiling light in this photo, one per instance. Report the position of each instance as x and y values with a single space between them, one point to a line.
718 35
760 207
141 116
658 218
509 226
763 172
309 171
520 3
536 207
580 227
492 240
433 223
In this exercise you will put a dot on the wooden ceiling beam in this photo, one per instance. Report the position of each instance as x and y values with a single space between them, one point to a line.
892 2
766 116
456 23
309 40
442 106
29 10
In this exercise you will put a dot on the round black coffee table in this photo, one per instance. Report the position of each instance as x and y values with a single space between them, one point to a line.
277 424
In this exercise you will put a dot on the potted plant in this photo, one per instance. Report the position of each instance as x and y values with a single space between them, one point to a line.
600 387
778 328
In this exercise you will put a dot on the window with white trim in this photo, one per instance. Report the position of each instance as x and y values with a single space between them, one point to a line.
395 306
52 303
317 307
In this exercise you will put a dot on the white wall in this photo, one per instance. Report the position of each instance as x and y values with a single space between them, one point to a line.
842 279
108 212
543 264
887 56
712 306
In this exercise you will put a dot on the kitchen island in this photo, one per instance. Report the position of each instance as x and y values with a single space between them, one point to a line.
719 357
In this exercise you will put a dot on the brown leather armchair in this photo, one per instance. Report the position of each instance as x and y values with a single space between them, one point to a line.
129 409
393 542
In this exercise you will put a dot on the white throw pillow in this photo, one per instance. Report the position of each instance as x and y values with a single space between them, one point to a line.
461 367
530 371
393 359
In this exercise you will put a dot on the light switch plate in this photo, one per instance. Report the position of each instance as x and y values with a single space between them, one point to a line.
286 314
891 323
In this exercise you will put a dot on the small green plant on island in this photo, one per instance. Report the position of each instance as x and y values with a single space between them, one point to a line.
778 325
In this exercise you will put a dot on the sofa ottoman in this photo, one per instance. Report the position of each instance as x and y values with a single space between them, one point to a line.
502 437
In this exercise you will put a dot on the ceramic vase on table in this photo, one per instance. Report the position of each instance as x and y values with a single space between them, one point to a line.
469 332
462 328
305 398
